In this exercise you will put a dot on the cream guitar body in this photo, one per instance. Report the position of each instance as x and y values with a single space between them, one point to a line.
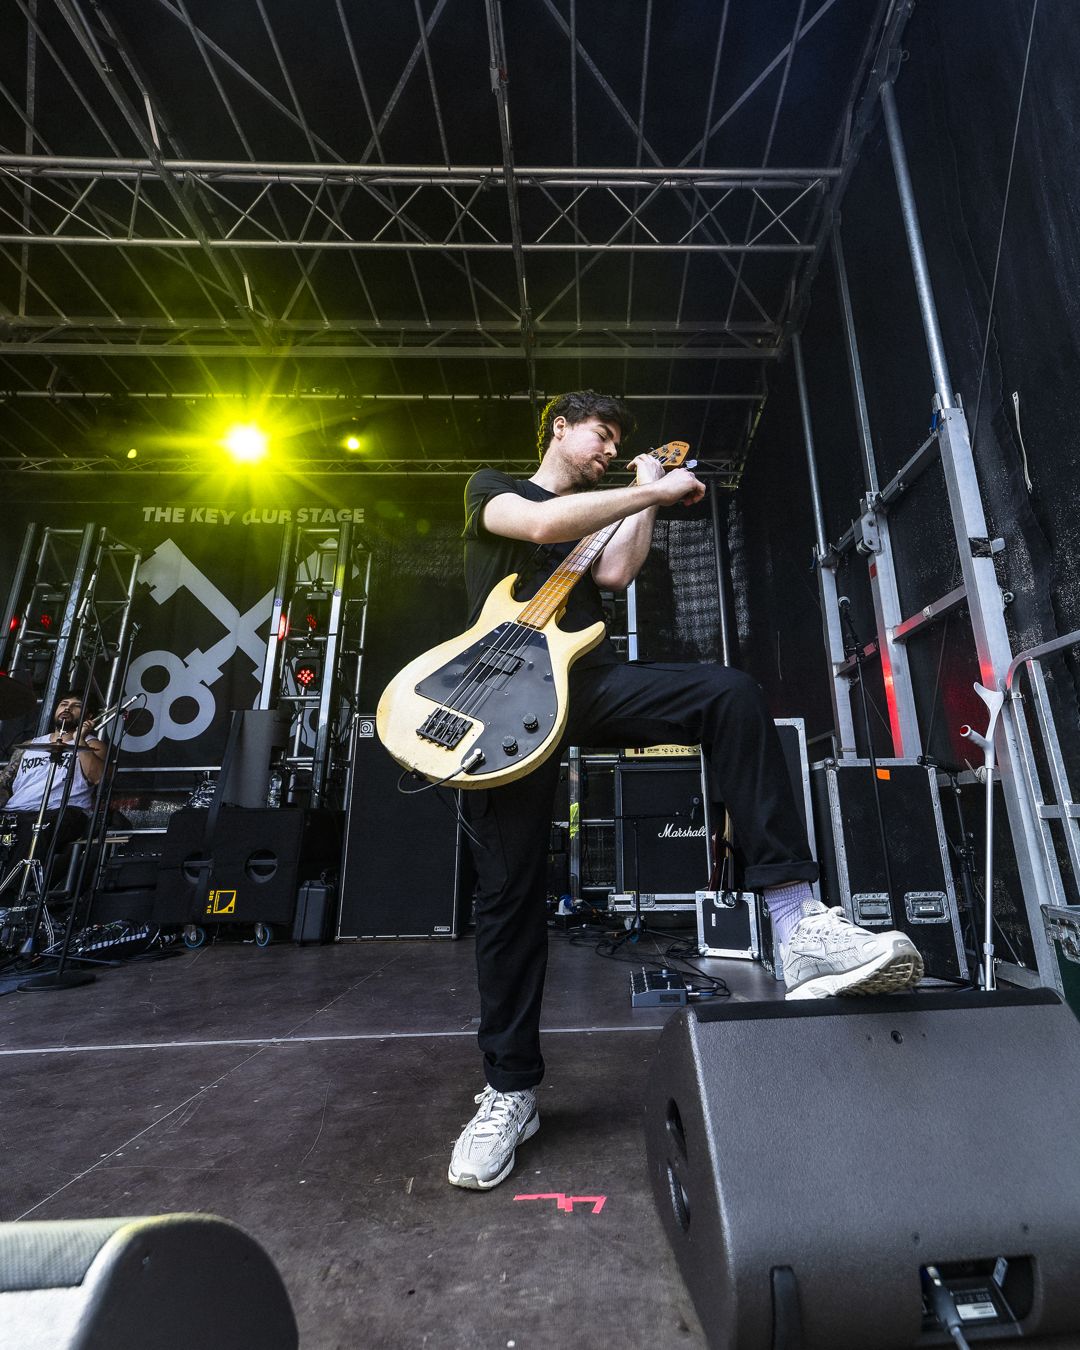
491 705
493 699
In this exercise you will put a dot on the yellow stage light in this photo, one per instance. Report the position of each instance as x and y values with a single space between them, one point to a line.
246 443
133 453
352 442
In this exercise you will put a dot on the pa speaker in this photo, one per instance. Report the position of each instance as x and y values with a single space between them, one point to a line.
405 865
809 1162
250 871
171 1282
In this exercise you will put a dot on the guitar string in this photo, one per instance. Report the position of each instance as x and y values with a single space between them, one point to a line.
583 553
554 590
549 597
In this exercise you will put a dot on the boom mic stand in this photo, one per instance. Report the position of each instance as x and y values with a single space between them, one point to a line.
30 868
30 946
63 977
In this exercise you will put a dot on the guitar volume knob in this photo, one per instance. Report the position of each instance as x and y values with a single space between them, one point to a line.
510 745
530 722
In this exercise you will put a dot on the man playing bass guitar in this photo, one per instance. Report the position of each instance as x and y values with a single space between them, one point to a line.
528 527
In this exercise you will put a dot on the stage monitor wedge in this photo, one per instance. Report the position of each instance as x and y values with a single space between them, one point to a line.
851 1142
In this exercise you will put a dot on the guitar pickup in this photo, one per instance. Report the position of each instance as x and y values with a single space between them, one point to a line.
444 728
499 663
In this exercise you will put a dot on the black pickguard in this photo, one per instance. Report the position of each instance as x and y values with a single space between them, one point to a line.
501 680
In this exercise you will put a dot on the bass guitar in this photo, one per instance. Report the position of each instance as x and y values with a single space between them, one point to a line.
490 705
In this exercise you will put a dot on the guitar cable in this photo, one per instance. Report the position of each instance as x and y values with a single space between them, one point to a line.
467 829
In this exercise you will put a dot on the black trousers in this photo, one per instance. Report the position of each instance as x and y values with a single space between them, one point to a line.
615 706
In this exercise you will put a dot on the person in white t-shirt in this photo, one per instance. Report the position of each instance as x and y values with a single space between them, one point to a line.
24 780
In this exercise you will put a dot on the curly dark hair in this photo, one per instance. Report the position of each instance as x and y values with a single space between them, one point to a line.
579 406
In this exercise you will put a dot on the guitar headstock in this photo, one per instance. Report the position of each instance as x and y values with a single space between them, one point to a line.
672 453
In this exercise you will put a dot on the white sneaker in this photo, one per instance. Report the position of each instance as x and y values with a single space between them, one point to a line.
484 1153
828 954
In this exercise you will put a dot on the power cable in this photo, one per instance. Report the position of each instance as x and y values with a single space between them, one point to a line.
1001 228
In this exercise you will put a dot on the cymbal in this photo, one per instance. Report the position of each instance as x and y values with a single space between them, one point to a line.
16 698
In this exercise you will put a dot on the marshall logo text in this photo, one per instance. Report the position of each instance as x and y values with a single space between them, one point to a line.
681 832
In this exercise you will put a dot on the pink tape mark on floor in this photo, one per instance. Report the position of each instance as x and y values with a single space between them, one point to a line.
567 1202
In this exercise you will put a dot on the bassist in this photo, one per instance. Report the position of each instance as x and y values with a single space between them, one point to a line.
528 527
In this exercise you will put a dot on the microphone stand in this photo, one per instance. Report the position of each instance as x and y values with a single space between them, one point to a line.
30 866
63 977
857 652
30 946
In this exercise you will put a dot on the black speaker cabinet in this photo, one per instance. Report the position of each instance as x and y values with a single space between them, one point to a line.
923 899
808 1161
257 860
404 864
660 845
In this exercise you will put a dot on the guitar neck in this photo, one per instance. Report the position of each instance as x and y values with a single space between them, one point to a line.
551 596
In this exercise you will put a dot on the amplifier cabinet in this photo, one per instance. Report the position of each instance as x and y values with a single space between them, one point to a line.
661 848
407 871
853 875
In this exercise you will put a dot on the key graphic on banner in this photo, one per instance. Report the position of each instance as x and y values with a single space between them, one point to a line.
167 571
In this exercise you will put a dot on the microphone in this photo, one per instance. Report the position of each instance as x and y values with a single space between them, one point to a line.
117 710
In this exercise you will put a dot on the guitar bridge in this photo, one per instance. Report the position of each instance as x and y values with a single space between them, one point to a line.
444 728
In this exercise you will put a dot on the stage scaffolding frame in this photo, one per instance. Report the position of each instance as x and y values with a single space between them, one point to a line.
324 573
493 230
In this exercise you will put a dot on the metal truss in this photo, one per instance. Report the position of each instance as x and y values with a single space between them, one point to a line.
451 266
724 472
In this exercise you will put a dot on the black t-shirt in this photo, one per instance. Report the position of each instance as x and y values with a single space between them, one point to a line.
491 557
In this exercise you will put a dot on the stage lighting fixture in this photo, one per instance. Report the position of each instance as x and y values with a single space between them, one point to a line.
247 444
307 668
133 453
352 442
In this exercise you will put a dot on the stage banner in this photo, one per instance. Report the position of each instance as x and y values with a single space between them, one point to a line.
203 608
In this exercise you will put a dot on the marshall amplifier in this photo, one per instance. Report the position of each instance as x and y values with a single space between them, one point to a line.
922 902
662 856
661 849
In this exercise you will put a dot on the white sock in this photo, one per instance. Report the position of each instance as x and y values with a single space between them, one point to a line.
787 906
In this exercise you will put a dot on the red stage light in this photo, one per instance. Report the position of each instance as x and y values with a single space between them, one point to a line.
307 669
283 627
46 621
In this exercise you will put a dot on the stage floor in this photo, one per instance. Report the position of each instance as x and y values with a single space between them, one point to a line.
312 1096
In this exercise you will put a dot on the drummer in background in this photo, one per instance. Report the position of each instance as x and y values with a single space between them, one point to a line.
24 779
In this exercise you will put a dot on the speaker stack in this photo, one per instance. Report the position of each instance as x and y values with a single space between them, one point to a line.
252 868
810 1161
405 864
